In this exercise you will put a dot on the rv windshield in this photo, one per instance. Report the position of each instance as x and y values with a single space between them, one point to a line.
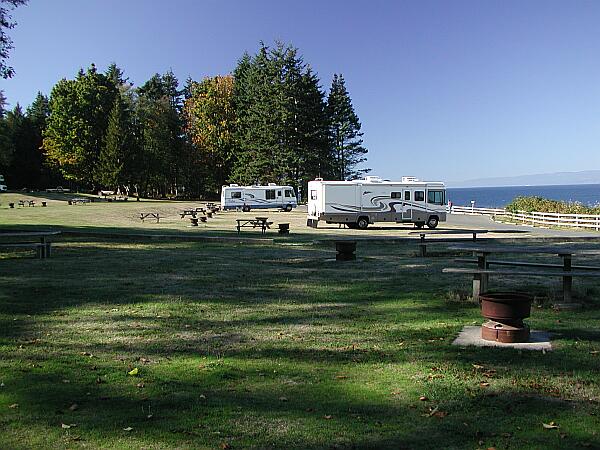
436 197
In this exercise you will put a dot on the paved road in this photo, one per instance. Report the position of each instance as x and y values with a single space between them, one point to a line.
468 222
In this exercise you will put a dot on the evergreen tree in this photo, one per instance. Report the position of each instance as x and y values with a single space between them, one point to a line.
38 113
348 151
2 104
115 74
282 126
25 164
111 163
160 135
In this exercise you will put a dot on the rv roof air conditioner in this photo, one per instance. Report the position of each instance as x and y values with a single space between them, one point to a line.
409 179
234 185
272 184
373 179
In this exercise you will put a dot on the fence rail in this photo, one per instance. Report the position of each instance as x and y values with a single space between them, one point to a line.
535 219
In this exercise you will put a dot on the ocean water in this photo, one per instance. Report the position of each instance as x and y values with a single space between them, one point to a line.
498 197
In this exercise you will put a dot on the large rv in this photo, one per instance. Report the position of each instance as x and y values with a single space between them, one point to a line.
258 197
359 203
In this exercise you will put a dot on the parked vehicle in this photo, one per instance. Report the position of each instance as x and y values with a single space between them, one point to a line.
258 197
3 187
358 203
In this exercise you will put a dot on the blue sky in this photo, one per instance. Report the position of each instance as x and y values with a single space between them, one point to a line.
448 90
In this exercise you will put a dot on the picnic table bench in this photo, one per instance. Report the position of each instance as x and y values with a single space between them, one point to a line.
154 215
258 222
43 247
26 202
76 200
482 272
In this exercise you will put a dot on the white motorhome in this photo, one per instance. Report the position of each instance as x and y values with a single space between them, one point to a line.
358 203
3 187
258 197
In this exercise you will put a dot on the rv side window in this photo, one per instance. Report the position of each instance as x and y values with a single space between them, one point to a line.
436 197
313 195
289 193
406 195
270 194
419 196
278 193
396 194
236 194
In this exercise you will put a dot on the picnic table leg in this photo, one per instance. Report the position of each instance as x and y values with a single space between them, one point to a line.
42 250
476 286
567 281
422 246
482 264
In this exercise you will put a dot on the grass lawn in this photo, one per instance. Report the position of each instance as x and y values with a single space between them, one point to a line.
271 346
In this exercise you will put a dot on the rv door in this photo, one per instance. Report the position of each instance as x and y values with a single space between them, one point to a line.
406 208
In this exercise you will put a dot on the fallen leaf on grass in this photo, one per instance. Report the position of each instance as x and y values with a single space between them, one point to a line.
127 429
477 366
283 399
140 385
67 426
134 371
484 384
74 407
423 398
86 354
550 426
341 377
594 352
327 417
225 446
14 405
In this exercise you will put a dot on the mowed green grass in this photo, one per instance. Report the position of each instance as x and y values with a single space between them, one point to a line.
277 346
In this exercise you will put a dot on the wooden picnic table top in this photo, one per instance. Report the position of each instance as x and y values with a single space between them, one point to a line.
448 231
28 233
511 249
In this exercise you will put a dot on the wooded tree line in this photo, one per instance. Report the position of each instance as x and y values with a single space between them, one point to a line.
269 121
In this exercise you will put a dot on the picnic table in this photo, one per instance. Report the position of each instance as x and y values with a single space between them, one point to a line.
76 200
258 222
43 247
154 215
26 202
544 269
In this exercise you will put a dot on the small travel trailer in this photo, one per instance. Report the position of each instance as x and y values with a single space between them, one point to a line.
258 197
358 203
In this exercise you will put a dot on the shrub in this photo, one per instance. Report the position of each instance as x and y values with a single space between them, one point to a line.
541 204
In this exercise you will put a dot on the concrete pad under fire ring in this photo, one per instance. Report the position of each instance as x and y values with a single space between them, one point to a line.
471 335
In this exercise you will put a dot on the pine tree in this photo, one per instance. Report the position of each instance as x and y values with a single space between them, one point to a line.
348 151
25 164
282 126
111 162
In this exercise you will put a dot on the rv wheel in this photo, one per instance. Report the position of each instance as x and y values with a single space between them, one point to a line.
362 223
246 208
432 222
288 208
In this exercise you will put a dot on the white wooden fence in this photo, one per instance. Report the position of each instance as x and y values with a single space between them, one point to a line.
535 219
